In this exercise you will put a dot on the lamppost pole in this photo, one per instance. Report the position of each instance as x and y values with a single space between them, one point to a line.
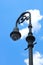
15 34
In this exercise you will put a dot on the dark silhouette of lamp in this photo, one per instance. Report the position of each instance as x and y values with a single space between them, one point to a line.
15 34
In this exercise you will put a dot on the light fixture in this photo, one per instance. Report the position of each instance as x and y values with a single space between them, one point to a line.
15 34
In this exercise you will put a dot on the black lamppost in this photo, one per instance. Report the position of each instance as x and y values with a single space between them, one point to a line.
15 34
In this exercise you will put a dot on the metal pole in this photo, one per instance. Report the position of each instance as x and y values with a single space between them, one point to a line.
30 55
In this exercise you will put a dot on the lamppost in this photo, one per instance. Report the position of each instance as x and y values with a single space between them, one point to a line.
15 34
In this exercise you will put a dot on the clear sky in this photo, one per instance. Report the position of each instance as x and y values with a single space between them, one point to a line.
12 52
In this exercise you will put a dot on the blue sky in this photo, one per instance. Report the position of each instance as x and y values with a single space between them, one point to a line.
11 52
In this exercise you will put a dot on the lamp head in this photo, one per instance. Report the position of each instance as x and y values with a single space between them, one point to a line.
15 34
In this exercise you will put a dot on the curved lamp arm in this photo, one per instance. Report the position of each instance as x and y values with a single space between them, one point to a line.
23 17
